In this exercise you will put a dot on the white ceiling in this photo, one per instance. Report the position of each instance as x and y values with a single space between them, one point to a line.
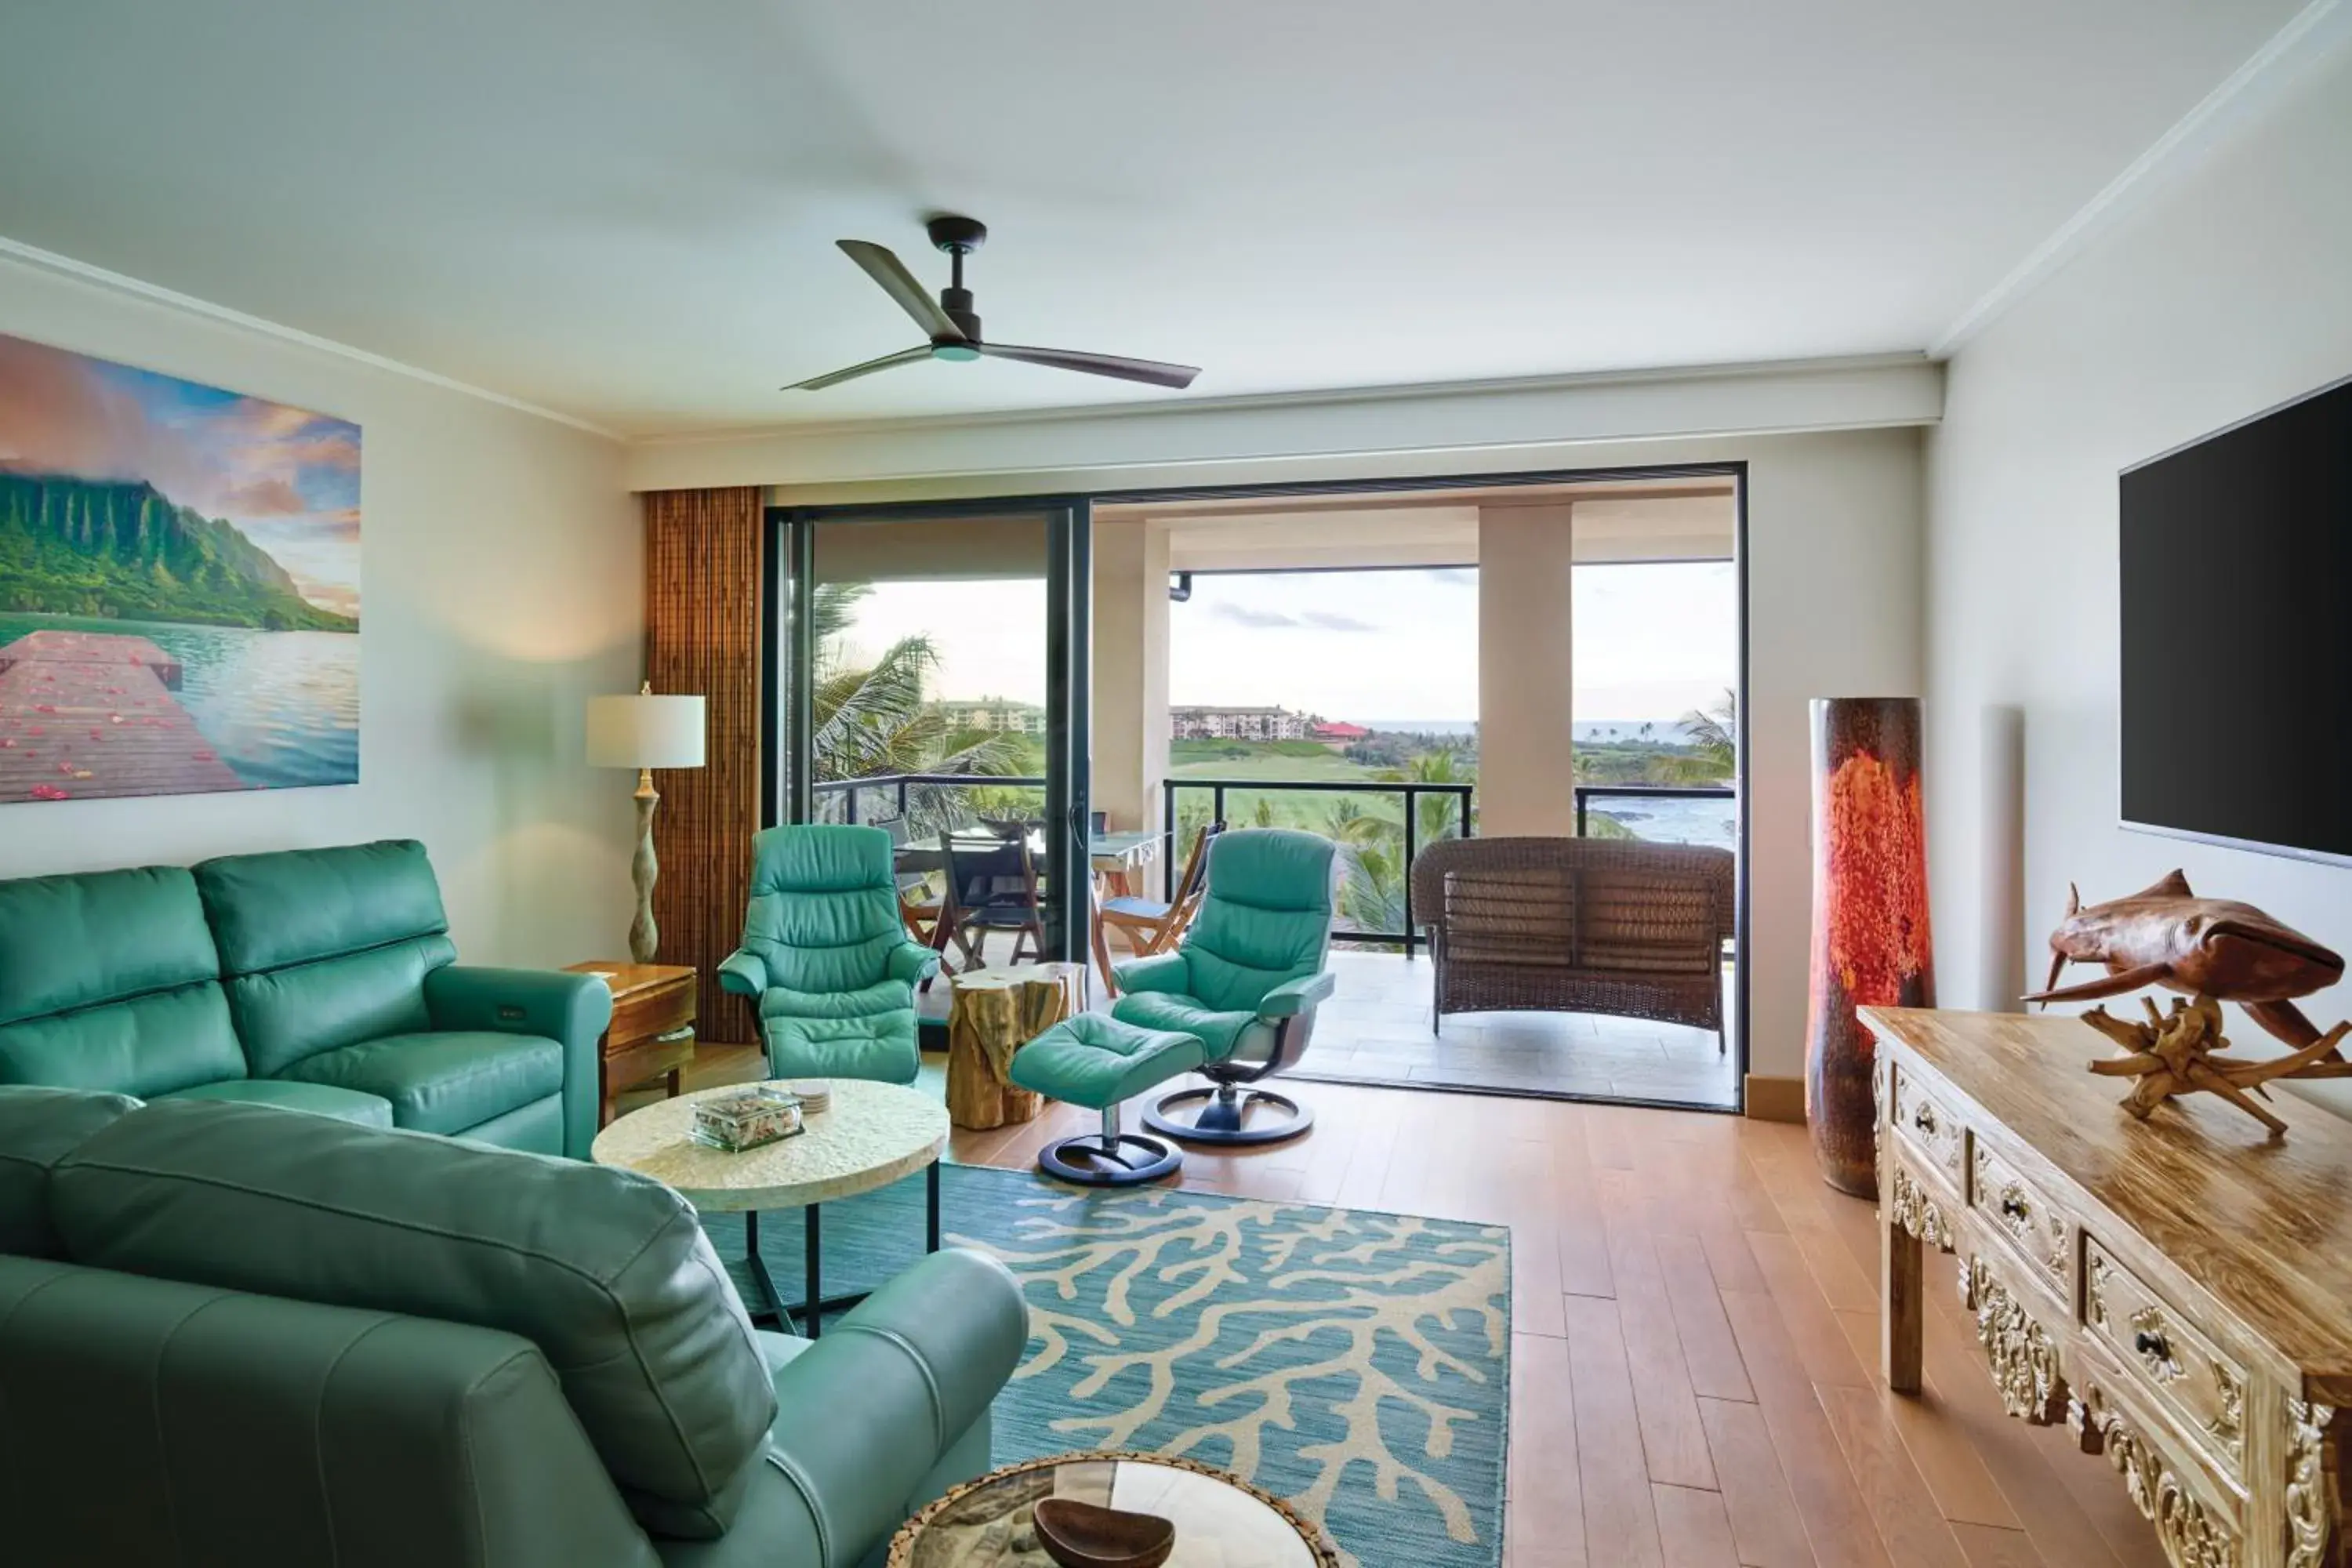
624 211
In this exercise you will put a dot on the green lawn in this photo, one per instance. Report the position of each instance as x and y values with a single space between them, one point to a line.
1260 760
1303 760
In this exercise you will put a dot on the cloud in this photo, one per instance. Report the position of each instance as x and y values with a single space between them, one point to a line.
238 458
1308 620
1456 576
270 496
1243 615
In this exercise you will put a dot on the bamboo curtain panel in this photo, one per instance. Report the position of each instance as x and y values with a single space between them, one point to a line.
702 635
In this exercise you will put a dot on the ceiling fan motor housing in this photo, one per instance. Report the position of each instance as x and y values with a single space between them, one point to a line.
951 233
956 302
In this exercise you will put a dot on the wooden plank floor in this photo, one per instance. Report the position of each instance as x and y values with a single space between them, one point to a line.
1696 1326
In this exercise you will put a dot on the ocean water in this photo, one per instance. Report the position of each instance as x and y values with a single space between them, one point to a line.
1705 820
282 709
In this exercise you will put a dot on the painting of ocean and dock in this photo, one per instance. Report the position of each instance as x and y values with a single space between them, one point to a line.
179 586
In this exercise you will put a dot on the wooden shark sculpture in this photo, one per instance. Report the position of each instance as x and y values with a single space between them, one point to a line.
2166 935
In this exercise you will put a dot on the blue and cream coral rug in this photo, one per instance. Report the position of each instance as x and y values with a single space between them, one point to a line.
1356 1364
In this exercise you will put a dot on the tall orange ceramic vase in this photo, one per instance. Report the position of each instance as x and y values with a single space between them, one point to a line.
1871 944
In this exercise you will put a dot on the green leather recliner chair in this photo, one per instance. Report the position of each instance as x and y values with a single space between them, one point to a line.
827 957
323 980
233 1335
1234 1003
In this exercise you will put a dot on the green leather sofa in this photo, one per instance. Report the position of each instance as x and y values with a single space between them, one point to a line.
827 957
321 980
233 1335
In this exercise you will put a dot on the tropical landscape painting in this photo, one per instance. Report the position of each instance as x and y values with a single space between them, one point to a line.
179 584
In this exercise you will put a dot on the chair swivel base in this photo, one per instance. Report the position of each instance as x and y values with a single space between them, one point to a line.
1222 1116
1110 1159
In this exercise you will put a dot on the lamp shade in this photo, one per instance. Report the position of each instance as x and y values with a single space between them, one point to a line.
644 730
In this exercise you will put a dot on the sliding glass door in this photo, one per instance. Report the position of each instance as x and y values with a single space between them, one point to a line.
928 676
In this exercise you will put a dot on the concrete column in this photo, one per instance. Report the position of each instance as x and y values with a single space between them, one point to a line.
1525 741
1131 669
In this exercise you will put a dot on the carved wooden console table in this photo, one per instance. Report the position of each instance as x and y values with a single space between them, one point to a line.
2177 1291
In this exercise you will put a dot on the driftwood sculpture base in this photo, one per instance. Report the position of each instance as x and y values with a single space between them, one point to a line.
993 1013
2178 1053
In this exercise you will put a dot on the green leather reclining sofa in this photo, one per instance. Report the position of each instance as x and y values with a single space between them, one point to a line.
322 980
234 1335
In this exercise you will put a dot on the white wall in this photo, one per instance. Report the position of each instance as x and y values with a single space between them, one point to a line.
502 585
2227 292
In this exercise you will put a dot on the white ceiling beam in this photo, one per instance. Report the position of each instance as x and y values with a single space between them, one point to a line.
1553 413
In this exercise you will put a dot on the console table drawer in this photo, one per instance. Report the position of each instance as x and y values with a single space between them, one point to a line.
2027 1217
2160 1352
1932 1129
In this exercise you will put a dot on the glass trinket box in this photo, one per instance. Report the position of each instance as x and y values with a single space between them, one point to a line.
737 1122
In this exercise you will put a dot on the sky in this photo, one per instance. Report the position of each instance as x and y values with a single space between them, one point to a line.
288 479
1652 642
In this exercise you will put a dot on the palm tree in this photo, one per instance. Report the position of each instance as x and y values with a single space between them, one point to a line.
1713 732
870 718
1372 866
1435 816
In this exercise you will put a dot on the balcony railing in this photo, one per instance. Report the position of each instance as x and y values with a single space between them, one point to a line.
898 784
1379 884
1376 885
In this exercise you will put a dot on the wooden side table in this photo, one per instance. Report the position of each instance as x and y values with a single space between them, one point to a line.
652 1033
993 1013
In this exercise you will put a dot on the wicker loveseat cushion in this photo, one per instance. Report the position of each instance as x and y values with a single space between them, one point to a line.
1653 923
1524 918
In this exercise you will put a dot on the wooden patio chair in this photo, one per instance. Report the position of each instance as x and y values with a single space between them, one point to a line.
992 886
1148 925
919 908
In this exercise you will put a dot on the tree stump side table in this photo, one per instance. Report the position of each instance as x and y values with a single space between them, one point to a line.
992 1013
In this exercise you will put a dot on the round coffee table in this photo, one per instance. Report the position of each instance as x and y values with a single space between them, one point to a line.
1220 1521
871 1135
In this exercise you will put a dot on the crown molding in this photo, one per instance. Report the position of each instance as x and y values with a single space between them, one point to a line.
2262 81
67 266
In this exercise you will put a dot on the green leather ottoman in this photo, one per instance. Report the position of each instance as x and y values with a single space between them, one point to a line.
878 1046
1096 1061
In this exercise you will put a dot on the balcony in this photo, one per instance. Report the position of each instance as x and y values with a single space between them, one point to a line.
1376 1029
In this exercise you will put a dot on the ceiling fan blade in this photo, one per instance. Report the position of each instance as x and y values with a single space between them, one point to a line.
899 283
904 356
1145 370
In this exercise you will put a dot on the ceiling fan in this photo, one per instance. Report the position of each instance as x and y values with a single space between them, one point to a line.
954 329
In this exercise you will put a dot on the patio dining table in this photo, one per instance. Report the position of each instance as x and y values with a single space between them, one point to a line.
1120 856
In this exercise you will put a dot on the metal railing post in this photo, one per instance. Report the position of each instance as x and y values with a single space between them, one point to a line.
1579 812
1410 849
1167 841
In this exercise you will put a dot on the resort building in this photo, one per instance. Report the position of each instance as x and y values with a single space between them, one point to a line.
1238 724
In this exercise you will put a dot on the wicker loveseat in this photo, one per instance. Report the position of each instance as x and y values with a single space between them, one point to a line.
1577 925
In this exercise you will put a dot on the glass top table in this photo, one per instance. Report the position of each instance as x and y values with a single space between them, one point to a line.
1220 1521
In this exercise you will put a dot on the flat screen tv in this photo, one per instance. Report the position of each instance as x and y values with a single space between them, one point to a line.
2237 634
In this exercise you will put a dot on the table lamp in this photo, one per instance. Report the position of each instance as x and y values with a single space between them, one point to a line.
644 732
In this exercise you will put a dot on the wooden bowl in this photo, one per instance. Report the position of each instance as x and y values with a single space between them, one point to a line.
1080 1535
